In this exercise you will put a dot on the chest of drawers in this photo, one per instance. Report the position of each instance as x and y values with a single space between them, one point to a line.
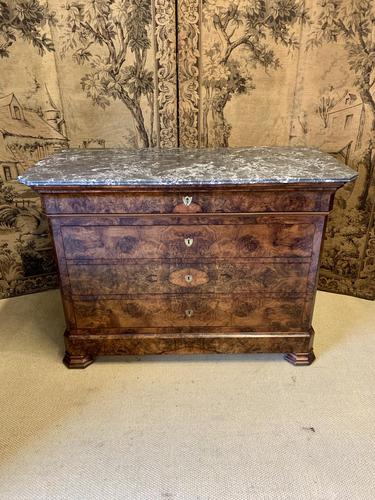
213 251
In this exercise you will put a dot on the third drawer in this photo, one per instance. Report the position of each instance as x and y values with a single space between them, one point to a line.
224 276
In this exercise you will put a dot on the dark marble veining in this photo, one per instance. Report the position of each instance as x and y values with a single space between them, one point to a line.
253 165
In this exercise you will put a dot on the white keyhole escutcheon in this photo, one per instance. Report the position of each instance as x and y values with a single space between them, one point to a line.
188 278
187 200
189 313
189 242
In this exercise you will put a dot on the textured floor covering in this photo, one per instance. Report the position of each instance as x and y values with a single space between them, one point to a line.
208 428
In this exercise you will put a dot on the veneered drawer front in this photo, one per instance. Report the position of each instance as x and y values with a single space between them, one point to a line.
158 311
156 277
217 201
184 241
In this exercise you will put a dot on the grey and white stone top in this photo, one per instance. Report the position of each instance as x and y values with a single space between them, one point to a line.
183 167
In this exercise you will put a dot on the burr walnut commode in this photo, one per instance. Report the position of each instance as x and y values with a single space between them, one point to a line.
181 251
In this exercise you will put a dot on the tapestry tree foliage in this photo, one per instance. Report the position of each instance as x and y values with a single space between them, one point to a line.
110 38
352 22
326 103
246 32
24 19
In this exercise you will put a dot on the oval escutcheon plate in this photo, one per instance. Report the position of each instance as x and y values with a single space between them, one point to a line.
196 277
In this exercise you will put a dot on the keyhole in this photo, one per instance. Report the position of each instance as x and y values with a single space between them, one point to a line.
189 313
187 200
188 278
188 242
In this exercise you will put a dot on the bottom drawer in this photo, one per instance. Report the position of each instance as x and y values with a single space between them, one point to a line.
158 311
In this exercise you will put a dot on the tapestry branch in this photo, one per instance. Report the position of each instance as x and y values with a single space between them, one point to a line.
25 19
116 31
246 32
352 24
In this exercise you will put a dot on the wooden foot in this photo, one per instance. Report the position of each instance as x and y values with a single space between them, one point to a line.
300 358
77 361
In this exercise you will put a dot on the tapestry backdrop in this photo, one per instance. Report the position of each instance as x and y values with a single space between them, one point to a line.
285 72
82 74
142 73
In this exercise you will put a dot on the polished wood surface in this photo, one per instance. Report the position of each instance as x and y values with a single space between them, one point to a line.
157 271
121 277
217 201
254 313
93 345
271 239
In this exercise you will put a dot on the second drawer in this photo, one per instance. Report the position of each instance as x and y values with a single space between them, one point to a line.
272 238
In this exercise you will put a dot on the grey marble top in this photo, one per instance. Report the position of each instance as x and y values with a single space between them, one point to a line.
180 167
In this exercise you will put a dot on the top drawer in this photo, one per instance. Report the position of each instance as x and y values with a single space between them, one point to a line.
215 201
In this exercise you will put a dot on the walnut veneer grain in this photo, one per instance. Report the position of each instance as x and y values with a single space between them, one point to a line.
116 277
188 269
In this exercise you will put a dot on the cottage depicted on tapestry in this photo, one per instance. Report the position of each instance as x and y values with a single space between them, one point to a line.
346 121
27 135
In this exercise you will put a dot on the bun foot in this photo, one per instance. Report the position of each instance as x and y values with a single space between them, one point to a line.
77 361
300 358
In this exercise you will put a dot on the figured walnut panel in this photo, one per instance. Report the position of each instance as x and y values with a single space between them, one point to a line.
121 277
123 260
215 201
256 313
140 344
149 242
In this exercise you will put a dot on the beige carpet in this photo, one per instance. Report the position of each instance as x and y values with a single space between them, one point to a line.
208 428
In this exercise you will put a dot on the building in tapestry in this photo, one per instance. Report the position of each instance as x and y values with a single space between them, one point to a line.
9 166
27 135
93 144
345 126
